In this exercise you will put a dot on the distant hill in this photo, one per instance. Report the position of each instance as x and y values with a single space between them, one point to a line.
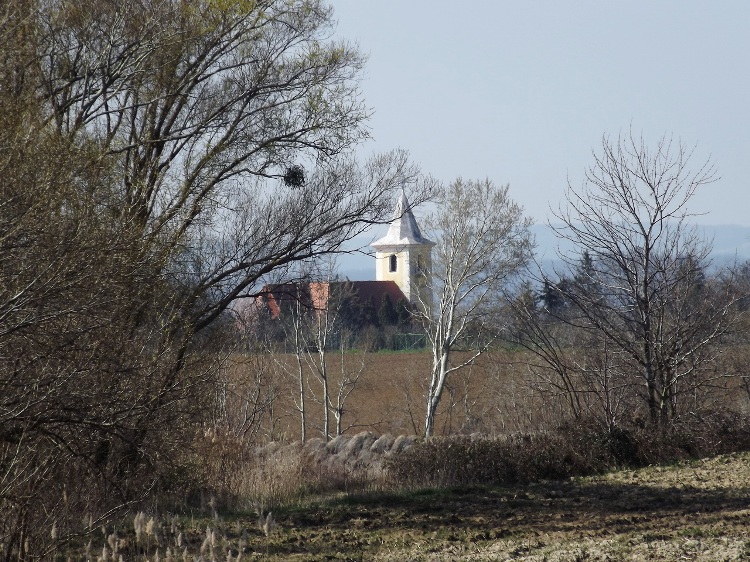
730 242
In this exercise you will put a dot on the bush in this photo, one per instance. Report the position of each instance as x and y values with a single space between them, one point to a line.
240 475
578 449
464 460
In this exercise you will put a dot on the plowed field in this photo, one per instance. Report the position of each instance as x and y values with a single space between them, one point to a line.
693 511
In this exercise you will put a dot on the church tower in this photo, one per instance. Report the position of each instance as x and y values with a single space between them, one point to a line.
403 255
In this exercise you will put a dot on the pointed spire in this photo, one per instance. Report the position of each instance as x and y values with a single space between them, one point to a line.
403 229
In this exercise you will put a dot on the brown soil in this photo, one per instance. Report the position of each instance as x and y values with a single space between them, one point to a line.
695 511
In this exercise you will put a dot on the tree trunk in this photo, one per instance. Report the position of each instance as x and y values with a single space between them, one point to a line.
437 384
300 373
653 397
303 420
338 414
324 381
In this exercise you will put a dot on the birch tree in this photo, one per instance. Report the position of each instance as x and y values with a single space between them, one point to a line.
482 241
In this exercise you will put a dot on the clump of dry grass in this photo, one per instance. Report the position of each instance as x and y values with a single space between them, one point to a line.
242 476
280 474
264 478
163 539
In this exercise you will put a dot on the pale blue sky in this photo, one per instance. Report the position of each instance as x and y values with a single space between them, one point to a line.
521 92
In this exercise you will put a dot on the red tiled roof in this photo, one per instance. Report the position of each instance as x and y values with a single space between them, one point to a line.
376 289
315 295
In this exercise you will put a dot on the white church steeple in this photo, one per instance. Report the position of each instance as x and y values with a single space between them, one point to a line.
403 255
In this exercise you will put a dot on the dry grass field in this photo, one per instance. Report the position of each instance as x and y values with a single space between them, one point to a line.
496 395
692 510
489 397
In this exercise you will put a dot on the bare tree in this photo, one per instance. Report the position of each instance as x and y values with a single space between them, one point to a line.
86 381
314 319
482 241
245 393
158 161
197 108
292 324
567 362
553 364
645 289
349 377
325 331
321 328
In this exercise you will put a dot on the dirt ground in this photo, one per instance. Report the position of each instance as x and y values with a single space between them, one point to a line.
698 510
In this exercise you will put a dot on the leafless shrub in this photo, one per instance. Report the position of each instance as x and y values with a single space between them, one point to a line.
575 449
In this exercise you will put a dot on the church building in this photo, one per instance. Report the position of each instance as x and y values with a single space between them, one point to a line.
403 255
402 268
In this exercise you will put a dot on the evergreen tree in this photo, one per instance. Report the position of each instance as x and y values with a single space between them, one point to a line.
369 313
551 297
403 311
387 314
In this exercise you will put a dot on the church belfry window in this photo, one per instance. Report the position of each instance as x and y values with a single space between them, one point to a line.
392 263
